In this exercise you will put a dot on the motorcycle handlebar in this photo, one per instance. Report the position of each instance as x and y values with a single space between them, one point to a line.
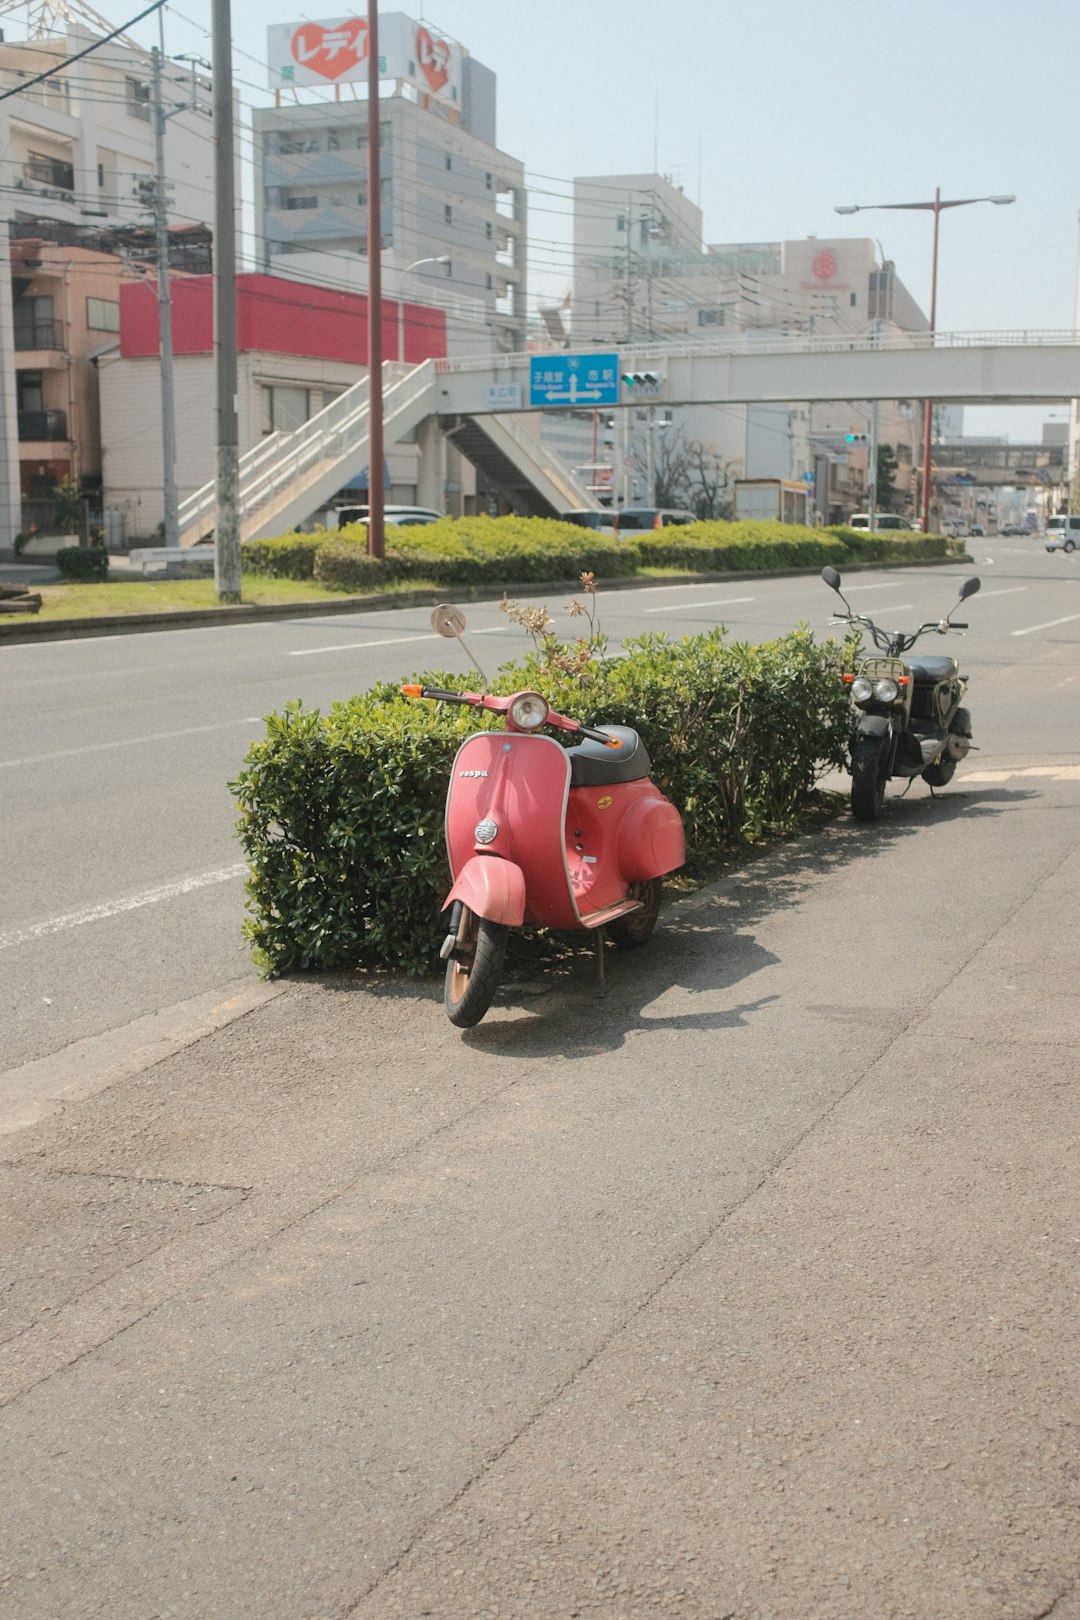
437 693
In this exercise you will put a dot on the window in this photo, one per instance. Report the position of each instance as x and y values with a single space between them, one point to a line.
448 214
35 327
102 315
449 161
138 99
853 300
488 181
100 175
488 281
710 317
283 408
488 232
50 171
620 222
291 141
301 202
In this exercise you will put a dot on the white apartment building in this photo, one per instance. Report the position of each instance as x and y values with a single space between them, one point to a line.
453 206
74 149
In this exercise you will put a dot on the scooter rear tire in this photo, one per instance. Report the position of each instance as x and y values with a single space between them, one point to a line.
868 778
472 981
633 930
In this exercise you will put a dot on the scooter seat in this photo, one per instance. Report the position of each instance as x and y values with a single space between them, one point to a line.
593 764
929 669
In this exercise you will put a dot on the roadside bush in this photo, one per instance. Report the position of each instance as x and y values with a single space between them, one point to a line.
341 815
890 545
89 564
343 564
714 546
292 556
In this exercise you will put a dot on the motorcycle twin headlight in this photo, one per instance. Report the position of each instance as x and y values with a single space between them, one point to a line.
886 690
862 690
528 711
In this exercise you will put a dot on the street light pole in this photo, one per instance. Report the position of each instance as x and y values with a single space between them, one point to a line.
936 208
441 258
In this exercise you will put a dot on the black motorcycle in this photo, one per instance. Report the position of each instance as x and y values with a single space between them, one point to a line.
909 720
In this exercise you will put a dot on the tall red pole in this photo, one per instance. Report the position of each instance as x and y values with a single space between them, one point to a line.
928 421
376 539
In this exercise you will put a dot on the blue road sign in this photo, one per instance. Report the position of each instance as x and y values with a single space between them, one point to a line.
569 380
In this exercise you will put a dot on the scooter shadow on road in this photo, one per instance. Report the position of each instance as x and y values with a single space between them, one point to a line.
704 945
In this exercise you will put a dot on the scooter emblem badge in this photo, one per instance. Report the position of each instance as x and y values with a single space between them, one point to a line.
486 830
604 803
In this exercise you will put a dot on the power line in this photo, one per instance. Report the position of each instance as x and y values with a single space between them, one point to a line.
96 46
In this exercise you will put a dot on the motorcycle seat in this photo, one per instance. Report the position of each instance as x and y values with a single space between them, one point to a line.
929 669
593 764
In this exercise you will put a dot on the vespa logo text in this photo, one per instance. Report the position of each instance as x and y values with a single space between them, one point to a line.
472 773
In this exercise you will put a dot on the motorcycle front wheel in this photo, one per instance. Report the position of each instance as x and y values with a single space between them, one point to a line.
868 777
473 977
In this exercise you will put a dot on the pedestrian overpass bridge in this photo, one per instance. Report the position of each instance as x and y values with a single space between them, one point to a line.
289 476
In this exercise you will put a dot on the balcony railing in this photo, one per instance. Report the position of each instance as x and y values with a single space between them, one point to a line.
50 172
43 425
40 335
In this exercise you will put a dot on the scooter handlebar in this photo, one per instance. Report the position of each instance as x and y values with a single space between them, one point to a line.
439 694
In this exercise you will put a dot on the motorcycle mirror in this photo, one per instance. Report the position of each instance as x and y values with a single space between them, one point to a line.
969 587
448 621
832 579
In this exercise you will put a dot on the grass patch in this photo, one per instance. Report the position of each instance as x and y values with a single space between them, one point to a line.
73 599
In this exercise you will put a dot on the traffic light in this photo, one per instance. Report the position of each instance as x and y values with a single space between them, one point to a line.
642 379
856 438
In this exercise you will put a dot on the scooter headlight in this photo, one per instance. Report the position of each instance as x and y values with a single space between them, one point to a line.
886 690
862 690
528 711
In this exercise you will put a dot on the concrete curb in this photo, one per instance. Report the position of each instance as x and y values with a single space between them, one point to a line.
121 624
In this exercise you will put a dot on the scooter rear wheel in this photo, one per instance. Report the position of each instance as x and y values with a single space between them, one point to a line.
473 978
633 930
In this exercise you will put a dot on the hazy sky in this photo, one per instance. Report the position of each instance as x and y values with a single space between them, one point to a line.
771 112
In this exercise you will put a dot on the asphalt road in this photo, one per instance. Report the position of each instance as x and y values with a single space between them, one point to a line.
122 888
749 1291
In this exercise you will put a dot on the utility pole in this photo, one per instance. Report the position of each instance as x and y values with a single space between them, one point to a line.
165 338
227 521
871 470
376 493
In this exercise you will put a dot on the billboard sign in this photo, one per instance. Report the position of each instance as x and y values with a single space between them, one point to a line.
335 51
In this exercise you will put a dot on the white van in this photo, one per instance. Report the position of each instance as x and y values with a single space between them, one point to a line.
1063 532
883 520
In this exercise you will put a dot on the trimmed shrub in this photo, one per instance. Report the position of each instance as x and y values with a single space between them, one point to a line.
89 563
292 556
890 545
344 565
712 547
341 816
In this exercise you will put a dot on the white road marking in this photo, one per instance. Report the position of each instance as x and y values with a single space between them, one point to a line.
1049 625
1056 773
116 908
392 641
1011 591
851 589
129 742
690 607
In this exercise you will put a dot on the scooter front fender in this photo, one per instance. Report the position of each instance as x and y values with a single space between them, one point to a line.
873 725
491 888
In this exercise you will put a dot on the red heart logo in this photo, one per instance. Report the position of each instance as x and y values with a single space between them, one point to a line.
434 58
332 51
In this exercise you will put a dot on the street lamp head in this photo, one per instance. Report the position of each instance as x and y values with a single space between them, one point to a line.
850 208
1000 200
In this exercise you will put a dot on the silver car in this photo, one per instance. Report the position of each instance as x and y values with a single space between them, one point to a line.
1063 532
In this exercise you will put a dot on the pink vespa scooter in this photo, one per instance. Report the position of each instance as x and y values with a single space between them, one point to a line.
543 835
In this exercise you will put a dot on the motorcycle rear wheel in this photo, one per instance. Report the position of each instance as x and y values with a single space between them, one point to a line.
472 981
942 773
634 929
868 778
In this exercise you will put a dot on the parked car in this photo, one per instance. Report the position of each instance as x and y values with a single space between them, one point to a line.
977 531
1063 532
650 517
603 522
1013 528
883 520
402 517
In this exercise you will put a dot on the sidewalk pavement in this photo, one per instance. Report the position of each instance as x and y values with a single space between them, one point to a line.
749 1290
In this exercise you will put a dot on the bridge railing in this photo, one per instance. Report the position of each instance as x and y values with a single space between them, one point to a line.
752 343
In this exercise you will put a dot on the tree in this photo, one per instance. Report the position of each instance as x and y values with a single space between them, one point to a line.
886 476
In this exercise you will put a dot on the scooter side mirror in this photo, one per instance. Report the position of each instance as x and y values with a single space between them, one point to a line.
832 579
969 587
448 621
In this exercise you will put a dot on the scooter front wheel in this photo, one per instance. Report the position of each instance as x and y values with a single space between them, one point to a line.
868 778
473 973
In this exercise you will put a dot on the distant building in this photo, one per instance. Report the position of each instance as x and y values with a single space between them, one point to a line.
448 193
78 146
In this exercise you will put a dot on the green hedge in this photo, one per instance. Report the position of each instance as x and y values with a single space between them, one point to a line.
341 815
515 550
90 563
